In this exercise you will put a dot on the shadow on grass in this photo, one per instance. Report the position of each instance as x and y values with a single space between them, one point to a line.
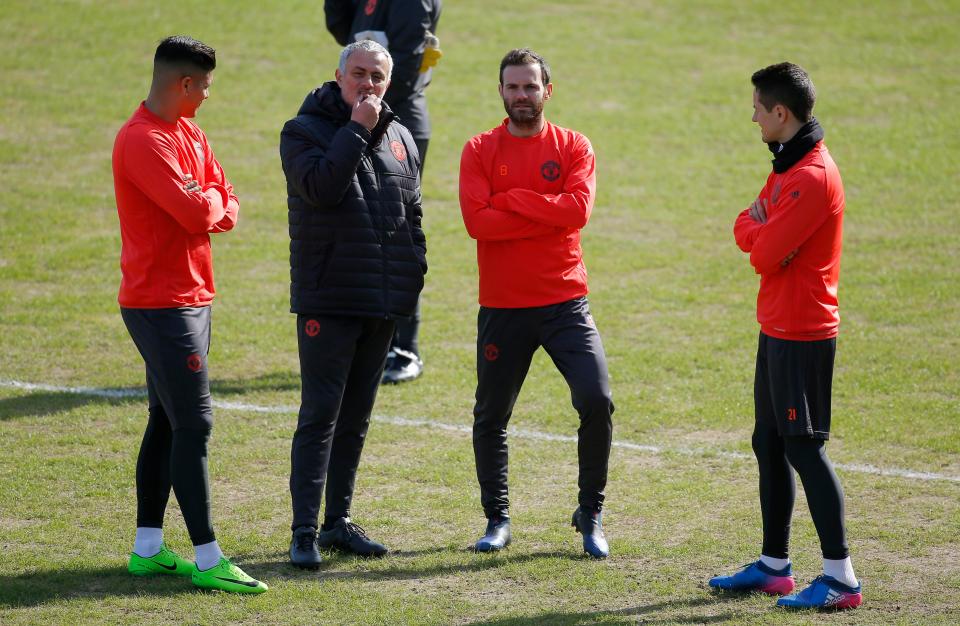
396 565
665 612
42 403
42 587
36 588
272 381
39 403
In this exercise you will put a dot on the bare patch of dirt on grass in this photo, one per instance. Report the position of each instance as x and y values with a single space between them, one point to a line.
9 524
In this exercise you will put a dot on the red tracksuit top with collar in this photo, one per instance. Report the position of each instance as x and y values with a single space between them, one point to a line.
798 301
165 258
525 199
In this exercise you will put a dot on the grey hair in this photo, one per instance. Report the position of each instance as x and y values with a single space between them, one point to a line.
368 45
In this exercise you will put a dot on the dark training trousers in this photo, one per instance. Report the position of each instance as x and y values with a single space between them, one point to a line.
174 344
341 363
792 389
506 342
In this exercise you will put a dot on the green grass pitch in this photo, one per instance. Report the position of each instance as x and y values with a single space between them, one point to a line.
662 90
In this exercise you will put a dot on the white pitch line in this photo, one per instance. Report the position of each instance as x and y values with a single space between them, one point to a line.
460 428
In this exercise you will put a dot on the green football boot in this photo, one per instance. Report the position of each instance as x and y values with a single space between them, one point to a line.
226 576
165 562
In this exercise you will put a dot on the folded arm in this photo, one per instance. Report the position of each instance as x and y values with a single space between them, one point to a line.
801 209
745 230
216 179
569 209
153 167
483 222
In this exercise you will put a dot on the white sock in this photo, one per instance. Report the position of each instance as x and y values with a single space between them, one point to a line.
772 563
148 541
208 555
842 570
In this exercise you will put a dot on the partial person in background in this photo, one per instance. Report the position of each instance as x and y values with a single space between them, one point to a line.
357 262
407 28
171 194
793 233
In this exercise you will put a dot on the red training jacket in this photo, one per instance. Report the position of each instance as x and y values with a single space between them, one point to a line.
525 199
165 259
798 301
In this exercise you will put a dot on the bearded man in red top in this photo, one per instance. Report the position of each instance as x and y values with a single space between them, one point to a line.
527 187
793 233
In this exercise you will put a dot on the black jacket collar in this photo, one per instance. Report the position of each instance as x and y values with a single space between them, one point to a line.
787 154
327 101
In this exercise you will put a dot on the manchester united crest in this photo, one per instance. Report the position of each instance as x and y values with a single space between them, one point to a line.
550 170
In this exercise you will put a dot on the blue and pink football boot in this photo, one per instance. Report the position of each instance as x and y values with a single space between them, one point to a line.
825 592
757 577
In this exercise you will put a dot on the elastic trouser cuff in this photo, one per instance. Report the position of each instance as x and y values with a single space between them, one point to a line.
836 555
775 553
148 523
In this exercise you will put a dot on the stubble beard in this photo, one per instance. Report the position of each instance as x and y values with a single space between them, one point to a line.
525 118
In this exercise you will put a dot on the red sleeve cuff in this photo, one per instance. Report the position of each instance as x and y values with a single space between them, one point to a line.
224 196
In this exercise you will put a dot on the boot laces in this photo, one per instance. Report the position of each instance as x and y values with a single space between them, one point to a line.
305 541
355 529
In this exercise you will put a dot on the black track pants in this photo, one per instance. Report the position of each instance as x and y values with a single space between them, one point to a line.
174 344
341 362
506 342
775 456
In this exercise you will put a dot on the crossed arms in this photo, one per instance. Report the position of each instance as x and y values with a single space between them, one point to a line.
773 240
520 213
151 164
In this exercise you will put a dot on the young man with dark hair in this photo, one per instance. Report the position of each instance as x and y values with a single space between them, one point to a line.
357 262
527 188
793 232
407 29
171 194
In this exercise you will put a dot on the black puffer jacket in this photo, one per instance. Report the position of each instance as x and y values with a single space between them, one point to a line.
353 199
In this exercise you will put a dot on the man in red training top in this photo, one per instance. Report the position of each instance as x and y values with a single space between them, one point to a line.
171 193
526 189
792 232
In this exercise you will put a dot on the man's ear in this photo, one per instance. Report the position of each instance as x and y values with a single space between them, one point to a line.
548 91
338 76
783 113
184 84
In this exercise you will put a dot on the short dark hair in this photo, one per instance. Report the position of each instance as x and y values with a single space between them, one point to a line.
786 84
183 51
526 56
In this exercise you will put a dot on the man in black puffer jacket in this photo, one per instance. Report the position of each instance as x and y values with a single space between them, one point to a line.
357 261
